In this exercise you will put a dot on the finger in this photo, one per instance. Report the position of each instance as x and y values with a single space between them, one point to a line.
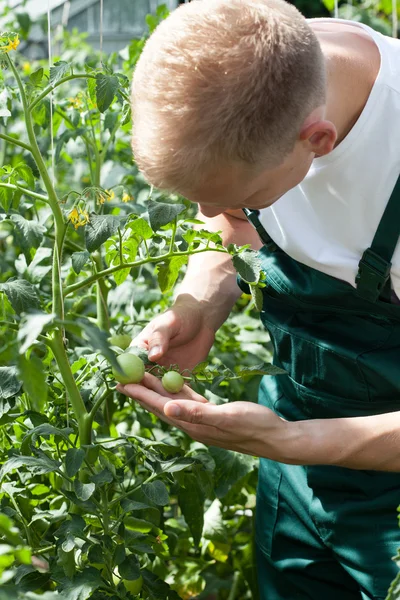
196 413
150 403
159 333
153 383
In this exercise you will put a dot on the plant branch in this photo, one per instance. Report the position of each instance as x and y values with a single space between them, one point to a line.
53 86
130 265
25 190
98 403
12 140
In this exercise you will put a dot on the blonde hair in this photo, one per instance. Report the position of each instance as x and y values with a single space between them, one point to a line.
222 82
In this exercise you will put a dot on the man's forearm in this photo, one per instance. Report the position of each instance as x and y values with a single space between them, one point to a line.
211 277
356 443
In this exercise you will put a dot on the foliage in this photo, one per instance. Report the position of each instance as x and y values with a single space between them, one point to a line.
98 498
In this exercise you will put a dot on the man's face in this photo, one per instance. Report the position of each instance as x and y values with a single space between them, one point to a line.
234 187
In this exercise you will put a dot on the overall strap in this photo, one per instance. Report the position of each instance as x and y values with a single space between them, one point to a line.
373 277
253 218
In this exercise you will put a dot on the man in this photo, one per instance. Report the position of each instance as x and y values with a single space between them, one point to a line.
244 104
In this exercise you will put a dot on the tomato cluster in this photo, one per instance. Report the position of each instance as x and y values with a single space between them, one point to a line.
132 368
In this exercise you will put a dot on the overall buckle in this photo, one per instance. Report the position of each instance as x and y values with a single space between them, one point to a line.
373 274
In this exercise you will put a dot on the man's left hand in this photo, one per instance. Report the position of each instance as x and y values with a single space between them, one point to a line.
244 427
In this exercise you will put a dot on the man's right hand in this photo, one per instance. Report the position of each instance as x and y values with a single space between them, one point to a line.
179 336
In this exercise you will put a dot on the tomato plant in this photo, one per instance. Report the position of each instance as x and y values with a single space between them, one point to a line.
90 482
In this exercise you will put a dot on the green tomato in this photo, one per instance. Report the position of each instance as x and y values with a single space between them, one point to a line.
172 382
132 367
133 585
122 340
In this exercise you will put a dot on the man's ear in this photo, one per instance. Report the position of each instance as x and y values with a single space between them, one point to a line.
320 137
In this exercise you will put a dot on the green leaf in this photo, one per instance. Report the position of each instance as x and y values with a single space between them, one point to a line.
68 134
25 172
36 77
100 228
263 369
248 265
82 586
106 88
191 502
83 491
75 527
79 260
34 381
31 327
21 294
157 492
73 461
161 213
98 340
30 232
45 429
129 568
158 589
230 467
37 465
9 382
140 228
214 525
59 70
6 196
168 272
257 297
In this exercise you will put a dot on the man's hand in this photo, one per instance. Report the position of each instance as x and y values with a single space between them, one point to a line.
240 426
179 336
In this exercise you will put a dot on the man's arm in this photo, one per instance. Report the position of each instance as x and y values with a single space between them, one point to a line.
211 277
371 442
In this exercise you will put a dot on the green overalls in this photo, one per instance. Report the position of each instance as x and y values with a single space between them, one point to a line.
323 532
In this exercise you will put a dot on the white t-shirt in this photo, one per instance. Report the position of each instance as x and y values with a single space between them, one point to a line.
328 220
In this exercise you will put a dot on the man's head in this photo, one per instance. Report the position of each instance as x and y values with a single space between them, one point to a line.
228 102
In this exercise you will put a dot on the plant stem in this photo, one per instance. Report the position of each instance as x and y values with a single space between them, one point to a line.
12 140
98 403
133 490
79 408
103 319
129 265
25 190
53 200
235 585
53 86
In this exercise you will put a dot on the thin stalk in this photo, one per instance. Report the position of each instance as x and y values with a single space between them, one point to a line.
111 138
235 585
103 319
53 86
173 235
53 200
133 490
9 138
98 403
79 408
26 191
129 265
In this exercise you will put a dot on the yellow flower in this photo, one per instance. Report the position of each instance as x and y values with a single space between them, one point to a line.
126 197
12 44
101 199
78 218
75 102
110 195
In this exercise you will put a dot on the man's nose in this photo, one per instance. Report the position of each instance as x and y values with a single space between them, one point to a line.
211 211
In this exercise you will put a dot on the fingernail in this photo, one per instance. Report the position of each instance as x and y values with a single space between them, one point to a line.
154 352
173 410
